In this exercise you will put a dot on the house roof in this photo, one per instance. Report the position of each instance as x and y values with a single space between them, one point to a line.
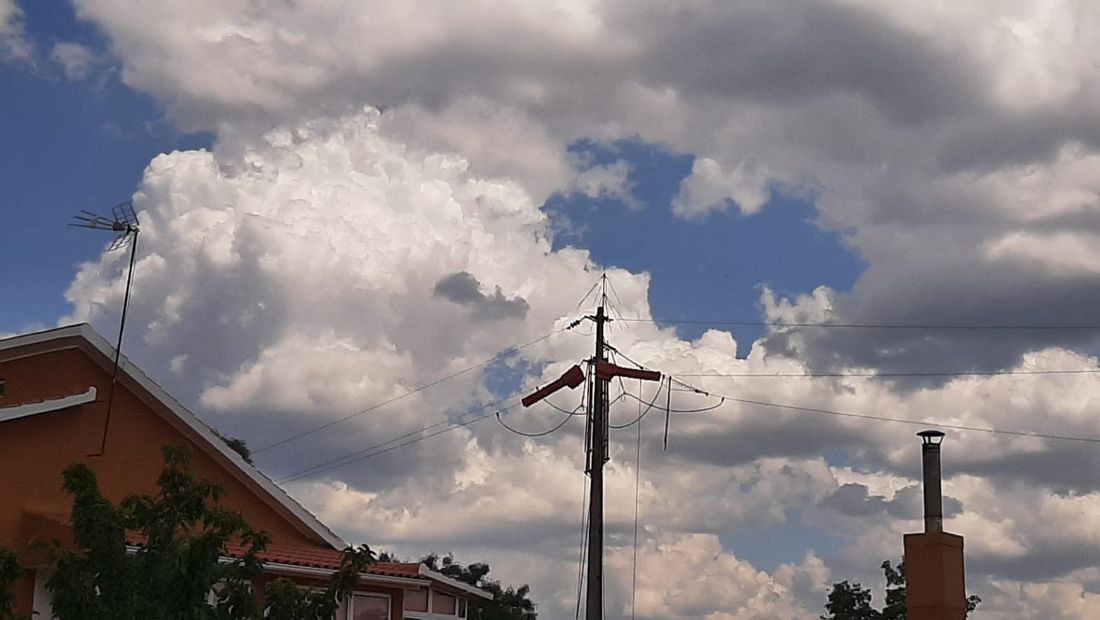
210 441
329 559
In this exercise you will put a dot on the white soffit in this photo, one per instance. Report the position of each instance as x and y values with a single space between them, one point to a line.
45 406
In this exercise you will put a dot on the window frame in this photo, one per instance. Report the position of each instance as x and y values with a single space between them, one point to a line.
349 612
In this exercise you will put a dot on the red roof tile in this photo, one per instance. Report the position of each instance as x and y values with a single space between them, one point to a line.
306 555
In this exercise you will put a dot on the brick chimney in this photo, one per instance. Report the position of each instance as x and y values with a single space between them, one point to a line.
935 580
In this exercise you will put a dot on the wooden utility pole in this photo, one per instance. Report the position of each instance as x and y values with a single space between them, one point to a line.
597 456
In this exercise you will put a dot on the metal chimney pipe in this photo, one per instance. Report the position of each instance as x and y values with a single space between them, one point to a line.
933 495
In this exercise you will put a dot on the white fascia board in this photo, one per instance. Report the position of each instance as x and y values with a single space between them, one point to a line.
23 411
406 583
454 583
276 492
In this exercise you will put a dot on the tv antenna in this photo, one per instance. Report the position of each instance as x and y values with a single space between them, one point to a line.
124 224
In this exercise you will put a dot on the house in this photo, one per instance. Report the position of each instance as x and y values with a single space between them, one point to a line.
53 387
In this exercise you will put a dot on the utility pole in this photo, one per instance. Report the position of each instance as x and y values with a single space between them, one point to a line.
597 456
600 373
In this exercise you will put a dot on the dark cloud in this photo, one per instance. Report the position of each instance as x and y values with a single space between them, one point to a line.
464 289
790 51
855 500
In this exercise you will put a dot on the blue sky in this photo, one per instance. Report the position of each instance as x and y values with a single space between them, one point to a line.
73 144
83 144
953 150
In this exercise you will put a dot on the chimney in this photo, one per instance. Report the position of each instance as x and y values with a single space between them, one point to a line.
933 496
935 576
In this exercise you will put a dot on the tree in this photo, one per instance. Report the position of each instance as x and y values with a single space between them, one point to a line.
10 570
507 604
172 575
895 591
849 601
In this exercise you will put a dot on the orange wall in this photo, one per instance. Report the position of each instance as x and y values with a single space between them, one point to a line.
35 450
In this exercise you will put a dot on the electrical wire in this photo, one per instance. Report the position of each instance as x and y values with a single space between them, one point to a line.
585 298
895 420
415 435
897 326
331 423
575 412
641 415
721 401
526 434
584 546
875 375
925 423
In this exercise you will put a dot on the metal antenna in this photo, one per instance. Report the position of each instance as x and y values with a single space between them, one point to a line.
125 223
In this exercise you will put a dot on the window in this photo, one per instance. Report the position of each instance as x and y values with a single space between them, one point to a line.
1 388
443 604
416 600
461 608
369 607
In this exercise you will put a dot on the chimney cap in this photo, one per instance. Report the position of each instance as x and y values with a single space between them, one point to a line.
931 437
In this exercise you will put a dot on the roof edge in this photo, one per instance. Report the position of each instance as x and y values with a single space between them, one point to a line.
454 583
100 344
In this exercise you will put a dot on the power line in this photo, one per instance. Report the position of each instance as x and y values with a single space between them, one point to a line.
863 416
415 436
897 326
331 423
915 422
873 375
549 431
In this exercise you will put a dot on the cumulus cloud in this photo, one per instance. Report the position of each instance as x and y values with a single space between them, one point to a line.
75 60
345 257
930 138
464 289
14 45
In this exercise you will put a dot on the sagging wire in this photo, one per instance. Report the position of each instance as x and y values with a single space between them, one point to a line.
526 434
643 414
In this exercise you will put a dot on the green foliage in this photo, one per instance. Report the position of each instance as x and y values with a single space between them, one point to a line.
848 601
10 570
507 604
171 576
895 591
237 445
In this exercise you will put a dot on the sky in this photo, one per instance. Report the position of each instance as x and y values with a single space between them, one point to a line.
342 202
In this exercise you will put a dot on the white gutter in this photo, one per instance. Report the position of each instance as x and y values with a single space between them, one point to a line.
408 583
454 583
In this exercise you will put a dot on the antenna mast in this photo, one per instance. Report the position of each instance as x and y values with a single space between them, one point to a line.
125 224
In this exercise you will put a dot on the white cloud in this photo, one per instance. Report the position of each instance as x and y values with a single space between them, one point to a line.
13 42
74 59
709 187
289 274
